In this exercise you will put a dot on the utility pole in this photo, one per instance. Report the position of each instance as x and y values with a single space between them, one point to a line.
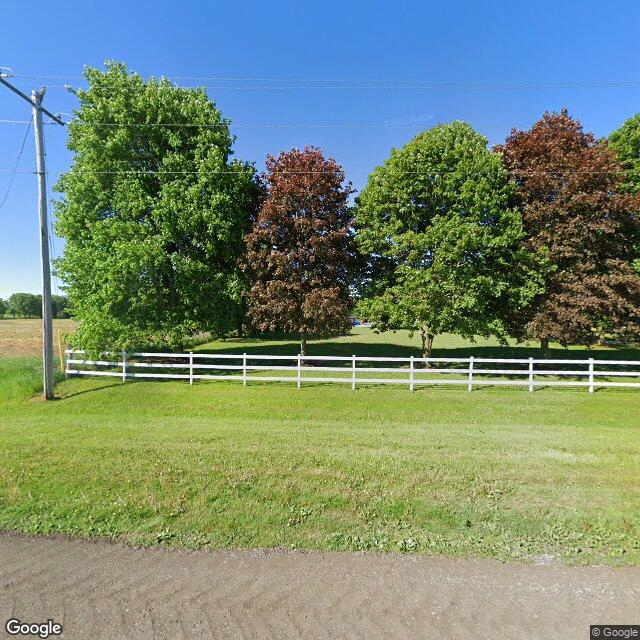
47 322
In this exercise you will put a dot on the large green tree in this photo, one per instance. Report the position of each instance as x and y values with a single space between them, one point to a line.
154 212
444 239
570 189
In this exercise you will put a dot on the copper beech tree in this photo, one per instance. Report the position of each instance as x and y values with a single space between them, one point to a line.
300 253
571 195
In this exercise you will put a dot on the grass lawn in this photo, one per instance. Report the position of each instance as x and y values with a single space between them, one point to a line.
366 342
500 472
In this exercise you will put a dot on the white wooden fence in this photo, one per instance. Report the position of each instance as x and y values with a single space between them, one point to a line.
355 370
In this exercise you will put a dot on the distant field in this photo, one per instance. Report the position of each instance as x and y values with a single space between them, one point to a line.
24 337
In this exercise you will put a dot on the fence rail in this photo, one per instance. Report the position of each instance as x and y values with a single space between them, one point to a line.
357 370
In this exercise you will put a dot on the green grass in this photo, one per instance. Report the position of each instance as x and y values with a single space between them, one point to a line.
366 342
498 472
21 377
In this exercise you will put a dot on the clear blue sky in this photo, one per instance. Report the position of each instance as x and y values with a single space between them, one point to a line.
464 41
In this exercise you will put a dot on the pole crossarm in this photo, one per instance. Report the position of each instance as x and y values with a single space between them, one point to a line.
24 96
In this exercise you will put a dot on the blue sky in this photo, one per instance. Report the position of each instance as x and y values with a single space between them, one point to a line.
297 43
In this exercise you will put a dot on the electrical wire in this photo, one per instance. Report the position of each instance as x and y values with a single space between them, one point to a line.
422 173
15 167
374 84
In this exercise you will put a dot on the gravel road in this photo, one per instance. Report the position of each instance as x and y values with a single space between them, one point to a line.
108 591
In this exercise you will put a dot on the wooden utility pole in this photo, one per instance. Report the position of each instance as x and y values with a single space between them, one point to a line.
47 323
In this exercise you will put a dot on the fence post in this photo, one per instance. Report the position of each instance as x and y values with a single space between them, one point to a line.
244 369
190 367
470 385
353 373
411 373
67 371
299 370
531 375
590 375
124 366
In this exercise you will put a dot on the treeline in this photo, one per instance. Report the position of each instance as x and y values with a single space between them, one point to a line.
168 235
29 305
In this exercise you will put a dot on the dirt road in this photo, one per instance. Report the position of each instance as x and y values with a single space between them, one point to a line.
111 591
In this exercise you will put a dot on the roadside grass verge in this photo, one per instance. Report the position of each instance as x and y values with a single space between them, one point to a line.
548 476
21 378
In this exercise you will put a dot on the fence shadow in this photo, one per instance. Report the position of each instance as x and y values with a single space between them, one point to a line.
82 392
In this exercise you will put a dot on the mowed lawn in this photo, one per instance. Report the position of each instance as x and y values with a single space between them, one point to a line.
552 476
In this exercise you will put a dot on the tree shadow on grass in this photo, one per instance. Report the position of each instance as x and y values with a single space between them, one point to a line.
269 345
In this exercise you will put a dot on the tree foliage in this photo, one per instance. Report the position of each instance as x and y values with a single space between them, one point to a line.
570 192
154 213
300 252
25 305
29 305
625 141
59 306
444 239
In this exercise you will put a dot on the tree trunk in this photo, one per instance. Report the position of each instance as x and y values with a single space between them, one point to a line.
427 343
239 325
544 347
303 345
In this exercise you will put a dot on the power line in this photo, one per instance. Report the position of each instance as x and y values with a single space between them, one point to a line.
50 231
24 96
4 121
355 125
372 83
426 174
15 167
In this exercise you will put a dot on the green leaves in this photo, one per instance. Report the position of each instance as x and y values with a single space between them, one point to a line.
626 142
153 212
439 215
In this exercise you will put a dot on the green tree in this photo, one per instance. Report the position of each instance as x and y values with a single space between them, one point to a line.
59 306
4 307
25 305
154 213
625 141
444 240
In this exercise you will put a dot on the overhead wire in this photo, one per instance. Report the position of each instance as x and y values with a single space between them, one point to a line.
15 167
50 231
194 172
358 83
